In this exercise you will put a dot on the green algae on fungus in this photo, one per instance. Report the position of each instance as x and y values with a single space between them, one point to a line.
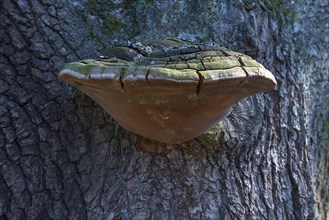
167 90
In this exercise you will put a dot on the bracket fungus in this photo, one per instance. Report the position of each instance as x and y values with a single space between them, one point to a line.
167 90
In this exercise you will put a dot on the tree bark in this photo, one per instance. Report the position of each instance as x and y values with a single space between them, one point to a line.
63 157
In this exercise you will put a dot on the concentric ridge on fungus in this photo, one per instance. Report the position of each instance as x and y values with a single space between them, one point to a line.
167 90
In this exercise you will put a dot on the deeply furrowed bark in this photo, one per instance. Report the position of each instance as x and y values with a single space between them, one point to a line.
62 157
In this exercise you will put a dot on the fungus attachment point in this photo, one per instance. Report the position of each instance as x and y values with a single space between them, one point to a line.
173 93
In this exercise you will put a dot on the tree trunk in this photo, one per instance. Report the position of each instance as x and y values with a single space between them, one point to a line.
63 157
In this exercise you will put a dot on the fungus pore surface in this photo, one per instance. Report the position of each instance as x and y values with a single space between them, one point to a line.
167 90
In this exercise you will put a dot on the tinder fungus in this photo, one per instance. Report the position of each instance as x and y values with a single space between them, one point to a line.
168 90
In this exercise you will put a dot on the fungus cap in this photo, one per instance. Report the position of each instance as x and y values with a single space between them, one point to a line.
167 90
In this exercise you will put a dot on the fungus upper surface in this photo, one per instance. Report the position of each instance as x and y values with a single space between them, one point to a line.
167 90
